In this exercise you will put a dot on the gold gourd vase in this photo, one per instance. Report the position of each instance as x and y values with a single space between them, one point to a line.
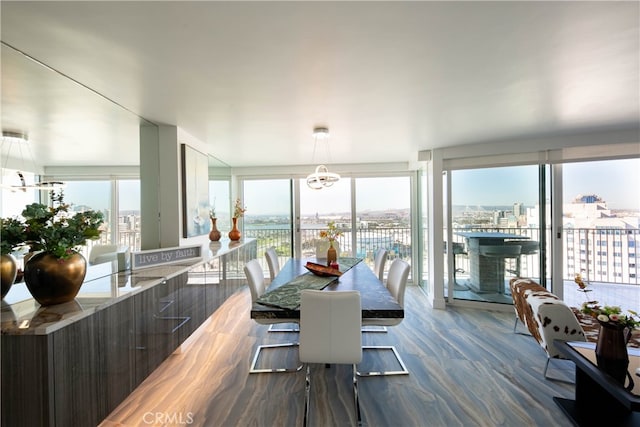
9 270
214 234
52 280
332 254
235 234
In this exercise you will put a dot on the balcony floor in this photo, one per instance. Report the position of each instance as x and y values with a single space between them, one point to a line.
625 296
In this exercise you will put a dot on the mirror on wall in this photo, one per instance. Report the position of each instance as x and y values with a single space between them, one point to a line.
66 123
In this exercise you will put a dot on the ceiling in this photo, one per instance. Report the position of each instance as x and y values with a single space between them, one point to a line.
252 79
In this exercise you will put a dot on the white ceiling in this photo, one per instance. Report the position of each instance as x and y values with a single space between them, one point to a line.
251 79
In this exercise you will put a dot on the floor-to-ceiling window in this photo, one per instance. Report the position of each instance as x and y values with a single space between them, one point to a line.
269 216
495 231
128 224
318 208
601 230
370 212
95 195
383 217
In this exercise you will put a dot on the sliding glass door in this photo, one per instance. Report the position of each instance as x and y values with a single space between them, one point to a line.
496 231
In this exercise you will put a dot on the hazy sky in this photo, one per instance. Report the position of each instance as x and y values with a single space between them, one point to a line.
615 181
272 196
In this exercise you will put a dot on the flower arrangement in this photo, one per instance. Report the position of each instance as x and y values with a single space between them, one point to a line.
611 314
607 313
582 284
331 233
238 209
57 231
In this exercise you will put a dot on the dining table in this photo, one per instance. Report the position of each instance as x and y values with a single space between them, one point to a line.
282 297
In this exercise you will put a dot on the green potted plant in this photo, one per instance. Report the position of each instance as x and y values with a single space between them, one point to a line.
11 237
56 271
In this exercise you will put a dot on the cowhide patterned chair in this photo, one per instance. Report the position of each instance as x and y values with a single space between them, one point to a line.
553 320
521 289
546 317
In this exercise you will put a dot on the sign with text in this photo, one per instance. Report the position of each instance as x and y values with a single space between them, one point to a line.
164 256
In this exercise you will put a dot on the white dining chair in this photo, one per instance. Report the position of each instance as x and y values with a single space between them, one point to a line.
272 262
255 278
396 283
330 325
379 263
274 268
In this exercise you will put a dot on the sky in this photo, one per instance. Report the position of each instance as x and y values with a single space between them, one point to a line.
271 197
615 181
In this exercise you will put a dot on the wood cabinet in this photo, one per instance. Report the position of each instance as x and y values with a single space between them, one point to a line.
71 365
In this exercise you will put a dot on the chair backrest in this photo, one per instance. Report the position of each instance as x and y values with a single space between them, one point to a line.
378 263
98 250
255 277
553 320
330 327
272 261
397 279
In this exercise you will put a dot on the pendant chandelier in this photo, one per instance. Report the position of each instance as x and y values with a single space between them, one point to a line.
321 178
19 142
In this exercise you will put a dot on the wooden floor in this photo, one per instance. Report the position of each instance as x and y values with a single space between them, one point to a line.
467 369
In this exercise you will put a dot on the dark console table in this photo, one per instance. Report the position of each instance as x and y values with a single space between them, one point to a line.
599 399
71 364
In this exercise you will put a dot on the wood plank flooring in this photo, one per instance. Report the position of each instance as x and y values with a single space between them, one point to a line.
467 369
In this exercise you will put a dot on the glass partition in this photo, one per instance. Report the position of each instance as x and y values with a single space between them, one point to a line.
496 231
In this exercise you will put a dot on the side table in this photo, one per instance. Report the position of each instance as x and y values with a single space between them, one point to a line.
599 399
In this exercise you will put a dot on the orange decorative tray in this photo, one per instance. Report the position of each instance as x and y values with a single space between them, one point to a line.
322 270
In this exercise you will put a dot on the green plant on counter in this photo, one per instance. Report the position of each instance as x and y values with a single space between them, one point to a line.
56 230
12 235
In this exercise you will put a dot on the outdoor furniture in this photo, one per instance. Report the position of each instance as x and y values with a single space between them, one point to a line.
486 270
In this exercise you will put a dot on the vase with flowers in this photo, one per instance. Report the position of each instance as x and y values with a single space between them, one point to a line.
214 234
54 234
238 212
331 234
616 329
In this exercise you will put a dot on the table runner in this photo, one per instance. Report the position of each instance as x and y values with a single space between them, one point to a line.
287 296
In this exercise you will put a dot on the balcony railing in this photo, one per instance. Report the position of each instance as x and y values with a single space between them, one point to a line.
396 240
594 248
600 255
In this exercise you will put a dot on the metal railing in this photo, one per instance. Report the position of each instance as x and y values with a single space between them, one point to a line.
397 240
600 255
